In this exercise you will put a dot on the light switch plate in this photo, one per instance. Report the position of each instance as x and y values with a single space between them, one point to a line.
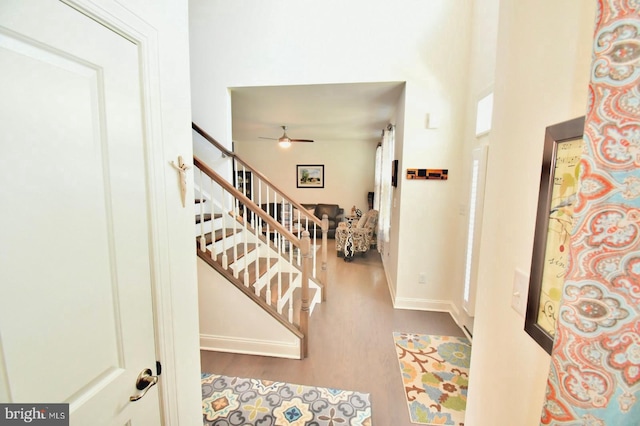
519 293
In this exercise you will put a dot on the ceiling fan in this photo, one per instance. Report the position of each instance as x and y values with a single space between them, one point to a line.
284 140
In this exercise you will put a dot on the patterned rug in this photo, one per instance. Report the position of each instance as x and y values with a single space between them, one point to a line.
228 401
435 375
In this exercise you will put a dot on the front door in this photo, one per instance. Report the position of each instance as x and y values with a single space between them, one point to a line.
76 321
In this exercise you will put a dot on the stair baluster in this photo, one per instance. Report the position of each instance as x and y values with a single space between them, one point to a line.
223 202
203 241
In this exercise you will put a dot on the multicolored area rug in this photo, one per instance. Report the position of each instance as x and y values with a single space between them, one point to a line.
435 374
228 401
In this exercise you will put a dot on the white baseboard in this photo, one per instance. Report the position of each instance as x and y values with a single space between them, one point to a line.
249 346
392 290
424 304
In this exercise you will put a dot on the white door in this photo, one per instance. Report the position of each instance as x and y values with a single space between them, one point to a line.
76 318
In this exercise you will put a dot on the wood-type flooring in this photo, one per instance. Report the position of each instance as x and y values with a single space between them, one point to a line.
350 344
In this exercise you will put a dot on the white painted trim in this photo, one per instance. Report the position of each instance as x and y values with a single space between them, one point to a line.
455 314
424 304
123 21
249 346
392 291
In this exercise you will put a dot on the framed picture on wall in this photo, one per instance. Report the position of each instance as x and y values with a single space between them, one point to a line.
394 173
310 176
558 193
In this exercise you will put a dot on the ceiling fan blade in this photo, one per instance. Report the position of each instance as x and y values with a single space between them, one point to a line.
301 140
272 139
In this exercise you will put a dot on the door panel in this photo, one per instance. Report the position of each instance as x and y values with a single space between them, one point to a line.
76 320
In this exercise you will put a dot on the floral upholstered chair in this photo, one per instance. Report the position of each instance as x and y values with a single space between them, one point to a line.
359 237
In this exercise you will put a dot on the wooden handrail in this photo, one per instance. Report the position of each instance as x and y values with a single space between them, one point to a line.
228 153
212 140
246 201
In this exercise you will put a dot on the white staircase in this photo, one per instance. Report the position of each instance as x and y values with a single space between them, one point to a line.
280 266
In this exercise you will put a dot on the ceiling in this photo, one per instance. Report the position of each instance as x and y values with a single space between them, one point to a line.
324 113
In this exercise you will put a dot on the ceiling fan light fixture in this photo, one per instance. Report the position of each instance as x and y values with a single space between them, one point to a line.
284 142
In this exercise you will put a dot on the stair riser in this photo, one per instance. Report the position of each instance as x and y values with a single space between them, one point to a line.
202 228
228 242
263 280
242 262
216 223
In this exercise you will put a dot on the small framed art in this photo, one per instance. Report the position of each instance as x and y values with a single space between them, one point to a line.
310 176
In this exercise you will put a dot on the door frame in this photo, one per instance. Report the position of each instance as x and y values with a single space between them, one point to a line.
165 100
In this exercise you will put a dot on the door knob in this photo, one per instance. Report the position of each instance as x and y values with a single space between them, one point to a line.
144 382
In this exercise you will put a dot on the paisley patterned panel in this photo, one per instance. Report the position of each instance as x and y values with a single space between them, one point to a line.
595 363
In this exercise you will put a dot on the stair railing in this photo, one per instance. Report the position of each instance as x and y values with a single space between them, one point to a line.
267 196
238 213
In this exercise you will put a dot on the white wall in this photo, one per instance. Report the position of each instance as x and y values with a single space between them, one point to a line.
348 169
542 70
268 43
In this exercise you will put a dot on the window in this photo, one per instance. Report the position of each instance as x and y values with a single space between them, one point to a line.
383 191
484 113
476 199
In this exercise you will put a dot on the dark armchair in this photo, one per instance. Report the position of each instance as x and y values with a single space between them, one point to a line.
333 212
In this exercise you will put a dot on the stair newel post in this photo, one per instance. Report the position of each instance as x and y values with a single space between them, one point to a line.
323 270
305 248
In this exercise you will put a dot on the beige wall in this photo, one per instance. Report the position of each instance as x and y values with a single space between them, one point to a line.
542 69
348 169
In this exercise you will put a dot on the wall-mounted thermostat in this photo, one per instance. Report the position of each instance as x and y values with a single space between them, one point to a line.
438 174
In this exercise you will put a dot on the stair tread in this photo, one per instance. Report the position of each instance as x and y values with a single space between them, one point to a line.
219 234
241 253
207 217
273 284
261 266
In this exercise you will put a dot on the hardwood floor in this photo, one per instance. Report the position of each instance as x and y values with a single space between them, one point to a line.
350 343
